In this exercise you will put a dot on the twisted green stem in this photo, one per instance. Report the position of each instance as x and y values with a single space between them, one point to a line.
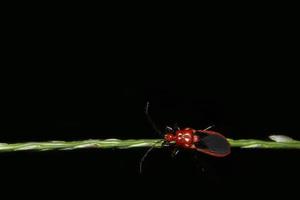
126 144
262 144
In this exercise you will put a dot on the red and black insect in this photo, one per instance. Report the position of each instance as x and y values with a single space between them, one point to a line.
205 141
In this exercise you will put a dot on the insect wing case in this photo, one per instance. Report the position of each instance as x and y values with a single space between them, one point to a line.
212 143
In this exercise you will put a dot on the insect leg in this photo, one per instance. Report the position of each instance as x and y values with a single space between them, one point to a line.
175 152
176 127
211 126
169 129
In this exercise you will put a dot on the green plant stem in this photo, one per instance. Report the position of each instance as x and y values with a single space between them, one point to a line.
263 144
126 144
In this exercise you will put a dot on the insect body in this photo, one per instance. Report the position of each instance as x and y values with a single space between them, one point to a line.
206 141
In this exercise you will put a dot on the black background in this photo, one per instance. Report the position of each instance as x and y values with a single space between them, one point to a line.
72 79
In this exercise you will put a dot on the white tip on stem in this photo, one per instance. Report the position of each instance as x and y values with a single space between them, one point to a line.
281 138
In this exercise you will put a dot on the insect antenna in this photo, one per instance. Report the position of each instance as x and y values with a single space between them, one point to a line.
146 154
150 119
152 123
